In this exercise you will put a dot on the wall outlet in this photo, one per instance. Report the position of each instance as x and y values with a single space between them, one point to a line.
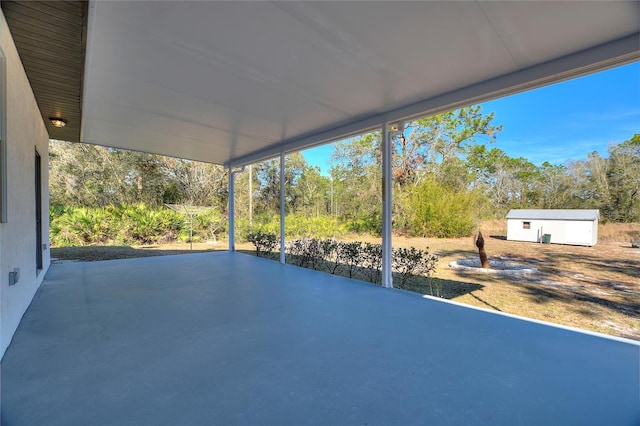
14 276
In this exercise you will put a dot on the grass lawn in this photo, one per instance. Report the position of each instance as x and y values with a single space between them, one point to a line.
592 288
96 253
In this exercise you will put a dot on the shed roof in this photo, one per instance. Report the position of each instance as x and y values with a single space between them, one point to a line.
554 214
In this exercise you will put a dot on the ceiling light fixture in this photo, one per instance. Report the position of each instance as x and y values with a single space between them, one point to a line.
58 122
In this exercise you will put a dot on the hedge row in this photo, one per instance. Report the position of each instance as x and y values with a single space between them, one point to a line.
351 259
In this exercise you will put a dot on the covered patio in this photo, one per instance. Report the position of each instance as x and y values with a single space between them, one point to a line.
226 338
235 83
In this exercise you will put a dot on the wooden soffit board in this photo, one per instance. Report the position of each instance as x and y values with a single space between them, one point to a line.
50 37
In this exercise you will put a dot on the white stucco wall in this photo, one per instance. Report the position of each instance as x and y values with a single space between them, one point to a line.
25 133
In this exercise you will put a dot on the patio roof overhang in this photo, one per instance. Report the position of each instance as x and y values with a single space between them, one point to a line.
235 82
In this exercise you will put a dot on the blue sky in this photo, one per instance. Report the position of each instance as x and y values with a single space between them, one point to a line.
559 122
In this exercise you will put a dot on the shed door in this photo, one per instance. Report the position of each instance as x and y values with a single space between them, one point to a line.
578 233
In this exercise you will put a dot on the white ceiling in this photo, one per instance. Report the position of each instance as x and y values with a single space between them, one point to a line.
230 82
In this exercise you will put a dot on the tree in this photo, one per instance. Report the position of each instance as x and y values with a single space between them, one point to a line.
145 176
507 182
196 183
268 179
430 148
314 192
482 253
550 186
624 180
357 182
93 176
432 142
598 189
84 175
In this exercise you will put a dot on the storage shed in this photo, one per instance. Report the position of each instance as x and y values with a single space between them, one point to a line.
575 227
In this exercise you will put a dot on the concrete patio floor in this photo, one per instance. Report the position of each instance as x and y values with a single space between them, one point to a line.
229 339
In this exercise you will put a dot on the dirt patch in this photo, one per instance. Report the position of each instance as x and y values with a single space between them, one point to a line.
593 288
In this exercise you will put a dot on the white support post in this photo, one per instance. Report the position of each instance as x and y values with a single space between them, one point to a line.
250 198
387 276
232 211
282 256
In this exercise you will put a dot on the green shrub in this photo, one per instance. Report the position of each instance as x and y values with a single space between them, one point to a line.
129 224
353 258
210 225
370 262
412 262
301 226
331 256
364 224
296 226
264 242
442 213
349 254
81 226
295 250
143 225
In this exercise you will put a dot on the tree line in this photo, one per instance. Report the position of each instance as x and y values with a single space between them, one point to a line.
446 177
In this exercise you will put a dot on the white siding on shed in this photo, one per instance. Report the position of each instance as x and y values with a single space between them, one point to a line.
575 227
578 232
